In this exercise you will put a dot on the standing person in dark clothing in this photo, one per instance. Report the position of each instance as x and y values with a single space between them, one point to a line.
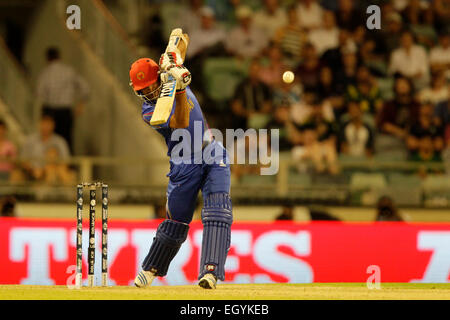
62 93
348 16
252 100
280 121
287 214
386 210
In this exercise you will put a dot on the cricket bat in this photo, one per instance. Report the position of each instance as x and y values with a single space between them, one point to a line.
178 42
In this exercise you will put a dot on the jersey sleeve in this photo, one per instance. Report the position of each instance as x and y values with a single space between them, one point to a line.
147 113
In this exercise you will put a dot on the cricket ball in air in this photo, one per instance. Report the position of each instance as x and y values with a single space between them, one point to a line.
288 76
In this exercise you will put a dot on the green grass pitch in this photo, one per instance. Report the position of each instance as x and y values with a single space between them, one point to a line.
320 291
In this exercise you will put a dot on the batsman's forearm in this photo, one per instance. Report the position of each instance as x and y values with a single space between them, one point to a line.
180 118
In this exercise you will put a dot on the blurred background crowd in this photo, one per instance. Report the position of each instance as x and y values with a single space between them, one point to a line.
357 94
369 108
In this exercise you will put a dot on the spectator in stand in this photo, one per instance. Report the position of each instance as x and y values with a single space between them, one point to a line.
326 87
40 147
425 129
329 91
446 155
333 57
315 141
397 115
155 39
208 38
272 73
279 121
270 18
441 9
421 23
442 115
287 93
204 42
438 91
190 18
348 16
309 105
398 5
319 213
348 69
326 37
225 11
310 14
287 214
359 36
356 137
389 37
425 153
329 5
55 171
62 92
8 207
365 91
368 56
251 104
412 12
410 60
291 37
308 70
440 55
245 40
8 153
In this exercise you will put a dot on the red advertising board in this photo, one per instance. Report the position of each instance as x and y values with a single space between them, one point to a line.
43 252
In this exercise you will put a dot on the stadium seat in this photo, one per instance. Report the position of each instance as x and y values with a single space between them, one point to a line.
399 155
285 155
404 196
345 158
404 180
257 180
349 164
372 181
220 71
386 87
379 67
327 180
389 148
436 190
367 118
300 180
405 189
435 182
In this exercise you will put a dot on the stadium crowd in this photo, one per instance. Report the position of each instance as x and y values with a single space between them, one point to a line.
358 93
43 155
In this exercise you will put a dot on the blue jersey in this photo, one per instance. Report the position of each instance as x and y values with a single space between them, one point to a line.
196 128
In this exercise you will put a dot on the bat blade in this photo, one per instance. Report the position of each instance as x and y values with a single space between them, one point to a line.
164 104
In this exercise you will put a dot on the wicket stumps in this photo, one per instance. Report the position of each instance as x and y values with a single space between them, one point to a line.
91 248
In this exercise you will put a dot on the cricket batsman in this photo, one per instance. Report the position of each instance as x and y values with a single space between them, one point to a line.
185 179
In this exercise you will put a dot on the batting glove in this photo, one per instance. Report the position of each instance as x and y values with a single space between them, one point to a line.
182 75
169 60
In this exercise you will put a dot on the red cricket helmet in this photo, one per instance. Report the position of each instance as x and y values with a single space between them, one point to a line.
143 73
